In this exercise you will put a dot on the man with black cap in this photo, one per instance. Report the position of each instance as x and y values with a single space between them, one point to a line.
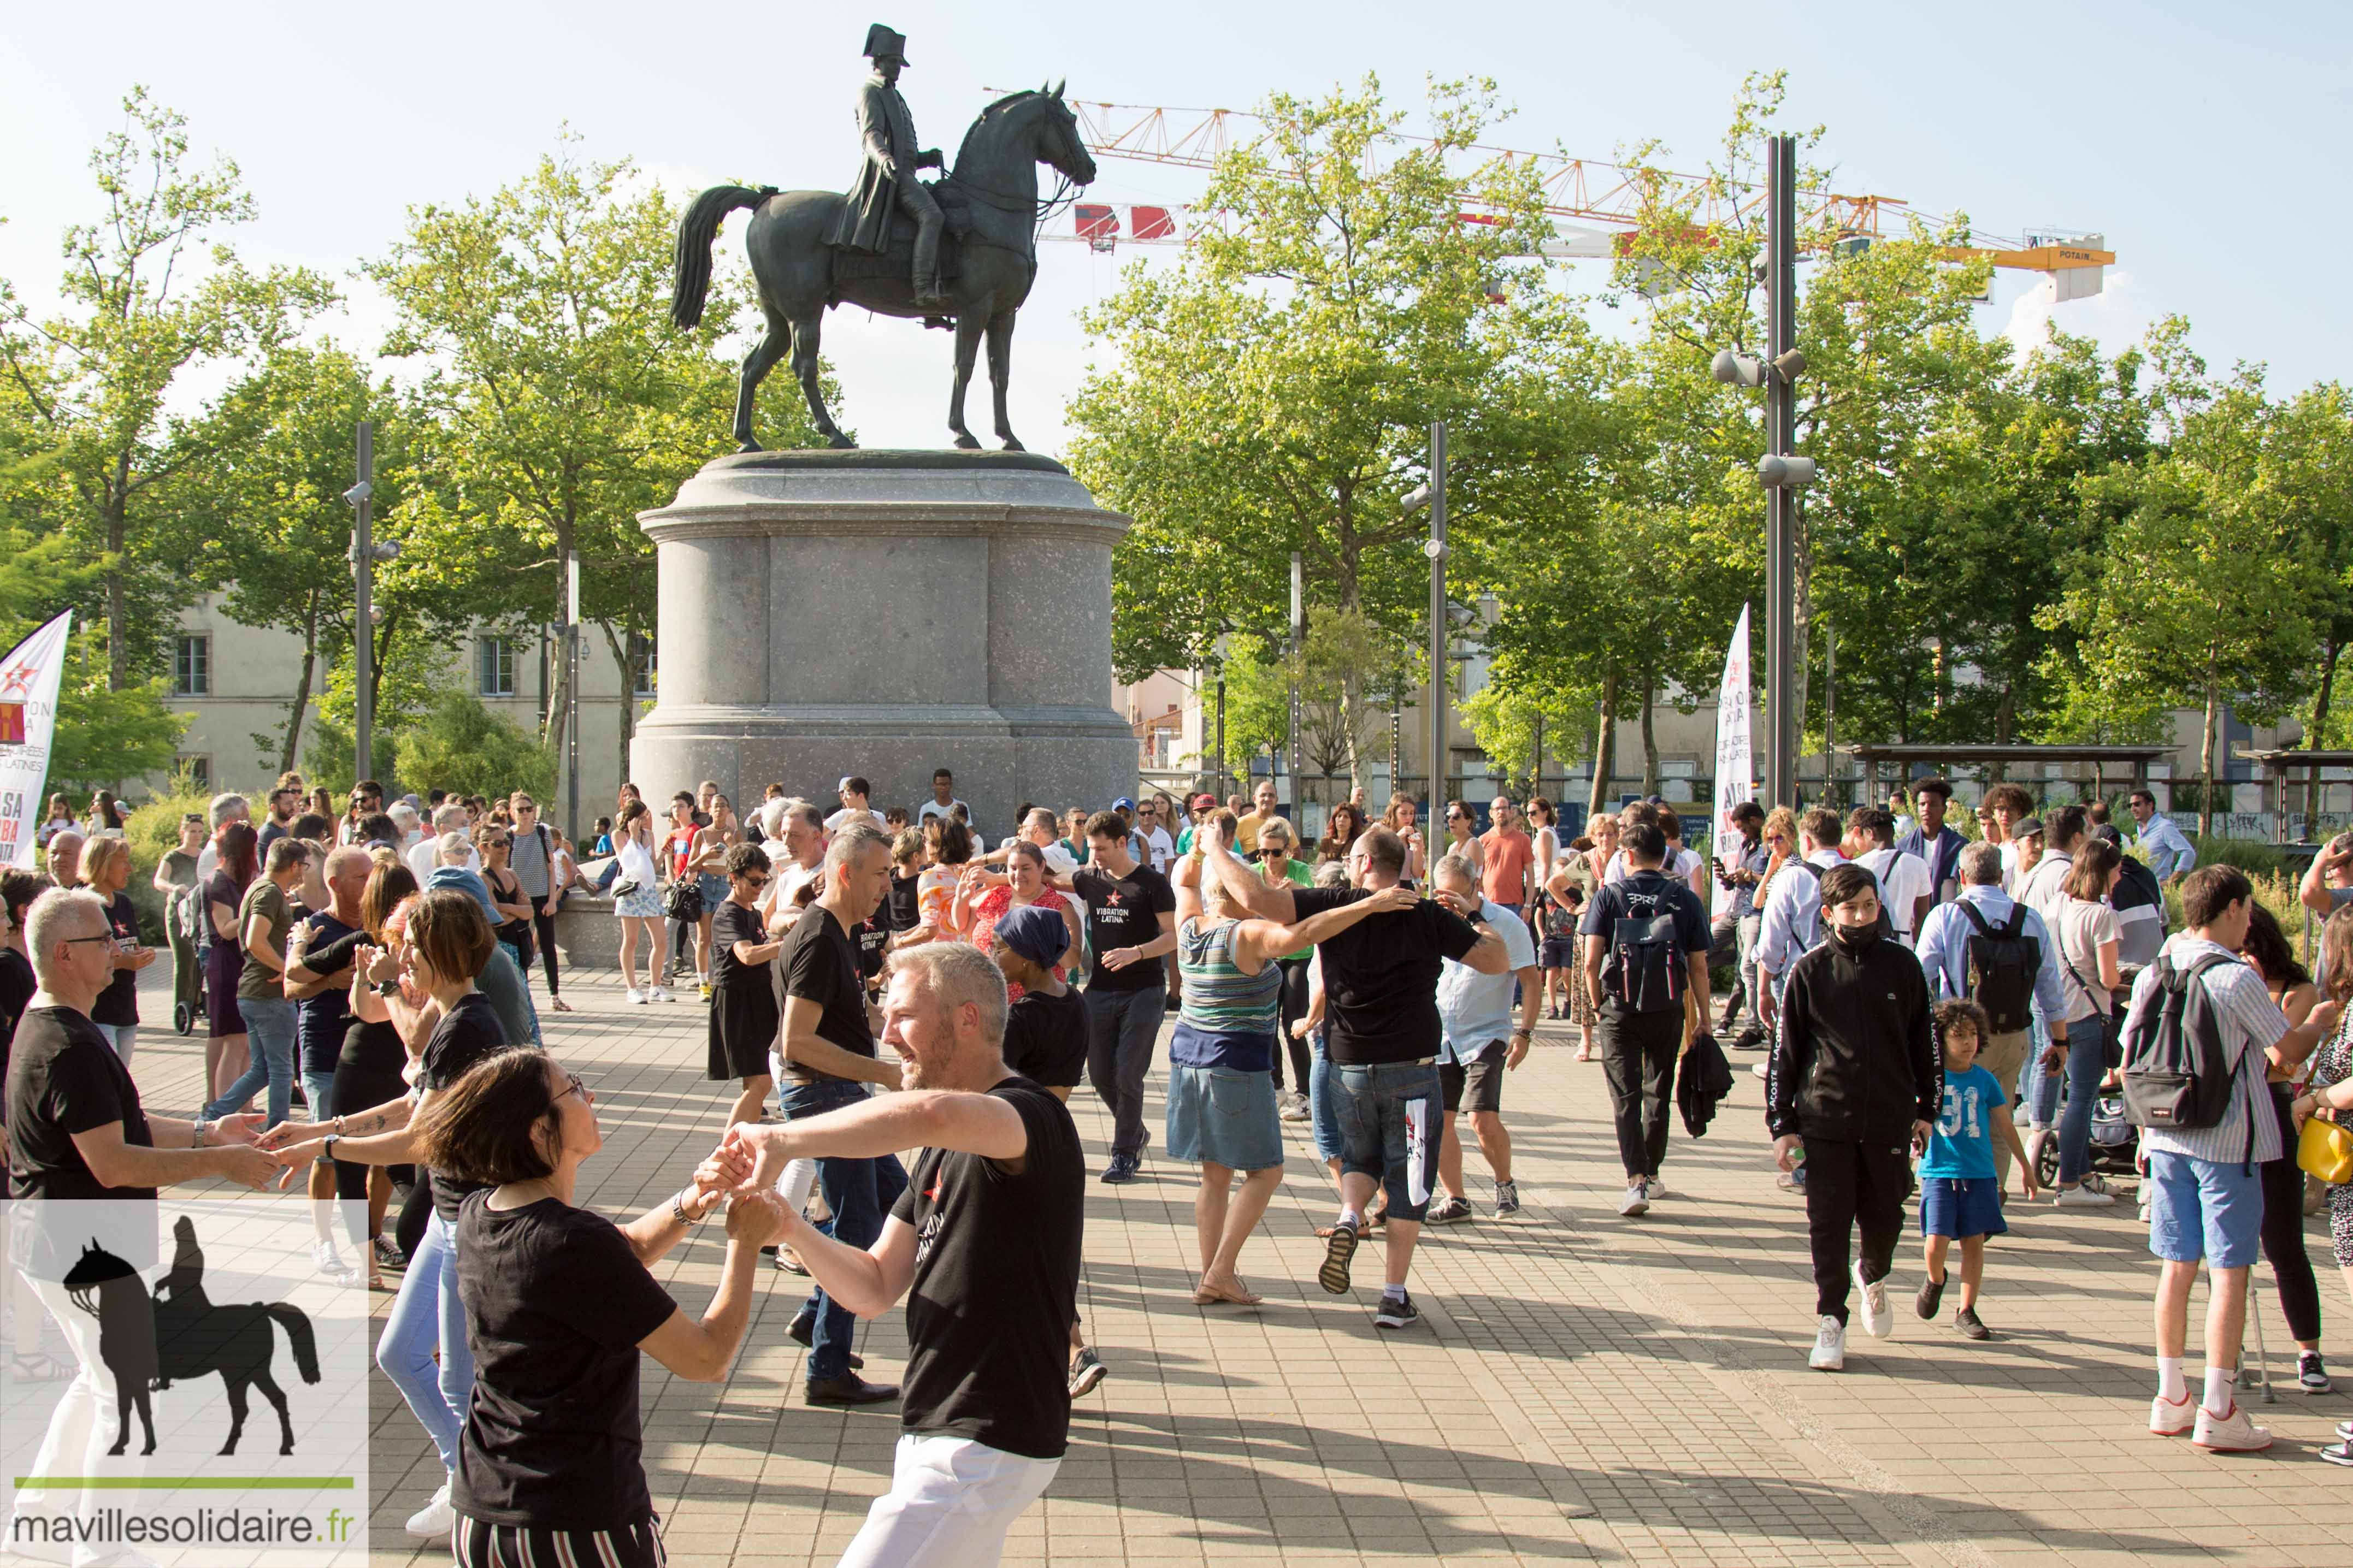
886 179
1046 1042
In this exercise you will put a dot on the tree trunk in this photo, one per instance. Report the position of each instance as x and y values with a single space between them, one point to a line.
2206 760
1352 716
299 707
2315 736
1801 628
1604 746
118 593
628 725
1650 735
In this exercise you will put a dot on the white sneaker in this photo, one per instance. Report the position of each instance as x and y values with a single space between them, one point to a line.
1657 1189
329 1262
2234 1434
1637 1200
634 995
1830 1346
2172 1417
436 1519
2083 1198
1761 1069
657 994
1878 1316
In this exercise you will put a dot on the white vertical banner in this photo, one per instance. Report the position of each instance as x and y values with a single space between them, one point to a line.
28 719
1734 755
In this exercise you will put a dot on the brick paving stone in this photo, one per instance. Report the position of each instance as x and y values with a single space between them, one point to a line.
1584 1387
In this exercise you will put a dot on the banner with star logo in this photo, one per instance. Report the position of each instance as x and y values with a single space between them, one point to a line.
28 720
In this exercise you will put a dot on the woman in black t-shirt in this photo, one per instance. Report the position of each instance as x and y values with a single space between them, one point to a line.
743 1013
449 939
228 1050
558 1305
106 871
496 843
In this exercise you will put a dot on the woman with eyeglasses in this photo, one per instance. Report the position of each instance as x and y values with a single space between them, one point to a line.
1462 834
429 992
496 844
743 1013
559 1306
1276 863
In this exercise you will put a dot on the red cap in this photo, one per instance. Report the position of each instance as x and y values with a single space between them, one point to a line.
1204 801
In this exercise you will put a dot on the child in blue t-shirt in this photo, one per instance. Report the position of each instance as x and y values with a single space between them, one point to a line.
1960 1195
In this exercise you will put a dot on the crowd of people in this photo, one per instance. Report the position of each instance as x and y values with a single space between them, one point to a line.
1918 994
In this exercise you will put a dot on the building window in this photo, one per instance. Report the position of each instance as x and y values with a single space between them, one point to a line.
191 665
641 664
197 770
494 666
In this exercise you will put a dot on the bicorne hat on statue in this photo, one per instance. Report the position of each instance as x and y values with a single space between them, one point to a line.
881 40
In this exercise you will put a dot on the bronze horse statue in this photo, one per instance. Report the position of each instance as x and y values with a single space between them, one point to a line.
991 203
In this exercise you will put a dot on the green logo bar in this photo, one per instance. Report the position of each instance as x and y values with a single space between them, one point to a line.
184 1483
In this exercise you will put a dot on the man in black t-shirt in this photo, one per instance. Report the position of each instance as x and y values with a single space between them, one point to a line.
1380 991
76 1132
1131 922
830 1058
1646 949
983 1245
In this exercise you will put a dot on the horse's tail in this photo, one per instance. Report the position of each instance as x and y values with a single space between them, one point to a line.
298 1331
695 233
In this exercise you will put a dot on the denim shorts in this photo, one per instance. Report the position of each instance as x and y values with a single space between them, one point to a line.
1223 1116
2200 1209
1390 1120
1959 1209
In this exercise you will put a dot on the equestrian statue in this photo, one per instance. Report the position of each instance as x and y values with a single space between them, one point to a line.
970 261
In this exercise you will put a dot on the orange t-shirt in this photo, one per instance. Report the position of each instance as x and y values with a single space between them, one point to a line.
1504 858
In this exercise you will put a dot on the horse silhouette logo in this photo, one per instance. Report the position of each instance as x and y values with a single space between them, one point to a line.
148 1341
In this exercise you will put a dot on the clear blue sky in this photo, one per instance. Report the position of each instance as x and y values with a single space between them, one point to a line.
2199 138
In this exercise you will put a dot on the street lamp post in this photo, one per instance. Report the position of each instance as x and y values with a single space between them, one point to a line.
1436 550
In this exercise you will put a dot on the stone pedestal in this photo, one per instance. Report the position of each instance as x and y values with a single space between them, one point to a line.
884 614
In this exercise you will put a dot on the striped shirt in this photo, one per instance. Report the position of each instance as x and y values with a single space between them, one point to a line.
1220 999
2251 1021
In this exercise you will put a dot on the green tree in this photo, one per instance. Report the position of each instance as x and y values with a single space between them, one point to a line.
151 300
1274 392
2198 599
562 401
1258 708
104 735
459 744
282 535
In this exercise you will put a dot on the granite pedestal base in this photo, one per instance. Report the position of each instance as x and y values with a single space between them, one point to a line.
884 614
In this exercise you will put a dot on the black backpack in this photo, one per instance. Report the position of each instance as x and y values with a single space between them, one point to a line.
2175 1075
1648 967
2003 963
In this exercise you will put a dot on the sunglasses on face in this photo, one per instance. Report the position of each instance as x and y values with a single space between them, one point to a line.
753 879
1274 852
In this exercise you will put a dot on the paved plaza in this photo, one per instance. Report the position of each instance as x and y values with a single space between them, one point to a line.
1583 1388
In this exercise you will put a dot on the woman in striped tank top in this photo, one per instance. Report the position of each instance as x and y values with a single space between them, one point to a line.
1221 1099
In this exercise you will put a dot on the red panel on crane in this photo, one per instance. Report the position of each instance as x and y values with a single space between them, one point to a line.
1096 222
1151 223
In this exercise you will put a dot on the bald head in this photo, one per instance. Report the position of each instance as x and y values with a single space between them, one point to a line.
65 856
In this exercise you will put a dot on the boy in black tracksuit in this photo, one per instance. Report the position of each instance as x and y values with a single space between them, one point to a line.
1857 1083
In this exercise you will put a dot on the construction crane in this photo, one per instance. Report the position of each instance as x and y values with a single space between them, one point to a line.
1597 207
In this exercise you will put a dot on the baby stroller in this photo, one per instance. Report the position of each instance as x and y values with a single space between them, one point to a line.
188 962
2115 1141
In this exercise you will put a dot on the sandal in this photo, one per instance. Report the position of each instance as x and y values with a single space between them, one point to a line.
39 1366
560 1005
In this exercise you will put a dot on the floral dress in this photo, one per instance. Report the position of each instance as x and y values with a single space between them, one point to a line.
2333 1063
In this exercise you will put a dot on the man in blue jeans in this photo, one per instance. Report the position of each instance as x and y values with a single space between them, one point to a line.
829 1060
1380 995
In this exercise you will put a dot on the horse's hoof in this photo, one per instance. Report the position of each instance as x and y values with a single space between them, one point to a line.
750 446
841 443
1012 445
967 443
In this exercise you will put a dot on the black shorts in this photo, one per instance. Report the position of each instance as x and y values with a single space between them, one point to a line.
1473 1086
1559 952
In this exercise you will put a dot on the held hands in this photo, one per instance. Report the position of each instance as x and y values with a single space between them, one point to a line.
728 1168
250 1167
756 1218
1920 1130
